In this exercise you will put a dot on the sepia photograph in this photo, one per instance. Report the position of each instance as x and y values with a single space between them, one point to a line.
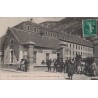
48 48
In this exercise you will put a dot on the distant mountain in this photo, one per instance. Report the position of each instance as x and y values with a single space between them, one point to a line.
70 25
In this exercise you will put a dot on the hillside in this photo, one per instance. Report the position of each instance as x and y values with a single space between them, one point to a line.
70 25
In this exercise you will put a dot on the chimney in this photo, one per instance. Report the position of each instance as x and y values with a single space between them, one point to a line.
31 20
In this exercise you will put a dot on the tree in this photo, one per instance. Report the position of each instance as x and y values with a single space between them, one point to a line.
78 58
89 60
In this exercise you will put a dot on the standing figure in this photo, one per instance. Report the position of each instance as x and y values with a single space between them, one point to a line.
94 69
55 65
70 70
82 67
73 64
61 66
86 68
75 67
26 65
79 67
22 65
48 62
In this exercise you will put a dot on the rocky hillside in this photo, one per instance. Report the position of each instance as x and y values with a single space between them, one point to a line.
70 25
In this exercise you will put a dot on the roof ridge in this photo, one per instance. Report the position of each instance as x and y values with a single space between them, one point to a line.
55 31
13 33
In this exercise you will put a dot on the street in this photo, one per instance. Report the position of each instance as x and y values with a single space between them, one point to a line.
38 75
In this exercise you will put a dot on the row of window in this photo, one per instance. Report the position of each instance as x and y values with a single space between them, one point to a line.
84 48
34 29
78 47
46 33
51 34
80 53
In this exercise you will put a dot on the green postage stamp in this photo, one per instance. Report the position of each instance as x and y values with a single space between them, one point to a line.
89 27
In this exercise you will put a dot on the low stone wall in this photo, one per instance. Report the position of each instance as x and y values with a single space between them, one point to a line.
35 68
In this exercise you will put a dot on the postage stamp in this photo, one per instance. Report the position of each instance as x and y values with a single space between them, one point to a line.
89 28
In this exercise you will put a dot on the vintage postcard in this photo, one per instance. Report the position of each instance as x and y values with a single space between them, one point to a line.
48 48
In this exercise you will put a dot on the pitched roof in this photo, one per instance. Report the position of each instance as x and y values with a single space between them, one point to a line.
77 40
68 37
30 23
48 42
26 36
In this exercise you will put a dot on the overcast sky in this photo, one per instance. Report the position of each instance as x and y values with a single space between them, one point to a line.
6 22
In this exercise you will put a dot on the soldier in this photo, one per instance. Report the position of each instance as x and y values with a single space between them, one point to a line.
55 65
26 65
94 69
82 67
49 65
61 66
70 70
79 67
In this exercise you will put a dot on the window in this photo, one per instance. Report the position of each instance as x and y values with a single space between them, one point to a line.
81 53
70 52
79 47
34 56
73 46
66 52
73 52
76 46
70 45
55 35
76 52
35 29
83 48
47 56
51 34
48 33
28 27
12 42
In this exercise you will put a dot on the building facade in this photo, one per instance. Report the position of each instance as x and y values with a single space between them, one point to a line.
36 43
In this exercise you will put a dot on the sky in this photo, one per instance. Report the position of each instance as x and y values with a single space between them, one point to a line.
6 22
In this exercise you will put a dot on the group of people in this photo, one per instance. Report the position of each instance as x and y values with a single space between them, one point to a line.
22 65
72 67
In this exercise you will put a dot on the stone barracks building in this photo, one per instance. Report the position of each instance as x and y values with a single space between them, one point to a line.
36 43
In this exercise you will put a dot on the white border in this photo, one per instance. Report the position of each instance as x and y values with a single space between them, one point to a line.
48 8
